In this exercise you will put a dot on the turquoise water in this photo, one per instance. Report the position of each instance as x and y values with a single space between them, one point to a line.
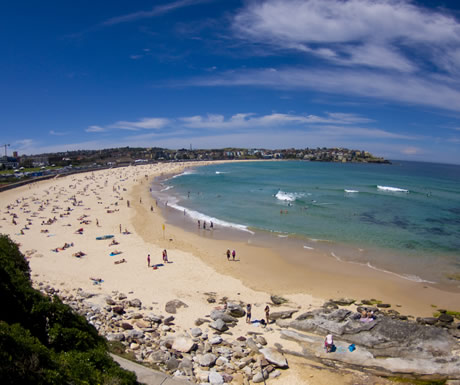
407 213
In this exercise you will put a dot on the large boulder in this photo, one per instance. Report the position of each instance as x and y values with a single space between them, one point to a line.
217 314
278 300
274 357
207 359
183 344
218 325
235 310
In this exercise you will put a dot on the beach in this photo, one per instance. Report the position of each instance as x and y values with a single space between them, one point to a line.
118 202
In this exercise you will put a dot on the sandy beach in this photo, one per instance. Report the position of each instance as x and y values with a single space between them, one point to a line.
43 216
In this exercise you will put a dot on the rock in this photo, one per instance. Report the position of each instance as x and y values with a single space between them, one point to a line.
238 379
172 306
329 305
200 321
142 324
196 332
183 344
227 378
135 303
154 318
274 357
277 300
343 301
282 314
122 296
447 318
216 340
215 378
220 315
261 340
211 300
276 373
202 376
218 325
115 337
126 326
235 310
221 361
207 360
383 305
186 366
118 309
135 334
172 364
428 320
251 344
109 301
168 320
260 376
157 356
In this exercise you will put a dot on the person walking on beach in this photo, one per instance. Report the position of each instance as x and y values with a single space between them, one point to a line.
148 260
165 256
248 313
120 228
233 254
267 313
228 254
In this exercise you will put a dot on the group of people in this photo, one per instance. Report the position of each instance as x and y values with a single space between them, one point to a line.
164 256
249 314
233 254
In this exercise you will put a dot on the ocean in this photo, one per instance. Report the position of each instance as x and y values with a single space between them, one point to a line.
402 218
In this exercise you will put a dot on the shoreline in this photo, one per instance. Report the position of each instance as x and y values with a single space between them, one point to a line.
318 274
199 266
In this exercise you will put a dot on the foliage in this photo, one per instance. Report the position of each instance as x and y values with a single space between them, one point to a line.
42 341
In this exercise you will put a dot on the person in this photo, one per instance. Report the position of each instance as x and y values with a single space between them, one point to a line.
211 225
233 254
148 260
329 343
127 203
248 313
199 224
228 254
267 313
120 228
165 256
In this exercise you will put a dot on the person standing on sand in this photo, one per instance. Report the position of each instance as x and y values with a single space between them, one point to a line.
267 313
248 313
148 260
233 254
228 254
165 256
120 228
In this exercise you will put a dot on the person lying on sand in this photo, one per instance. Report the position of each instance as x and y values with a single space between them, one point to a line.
115 252
120 261
79 254
79 231
114 242
126 232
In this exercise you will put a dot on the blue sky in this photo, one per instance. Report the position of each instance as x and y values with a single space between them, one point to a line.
378 75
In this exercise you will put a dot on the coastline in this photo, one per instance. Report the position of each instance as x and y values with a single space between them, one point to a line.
199 264
278 269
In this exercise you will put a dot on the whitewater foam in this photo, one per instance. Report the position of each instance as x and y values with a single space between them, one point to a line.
196 215
392 189
351 191
288 197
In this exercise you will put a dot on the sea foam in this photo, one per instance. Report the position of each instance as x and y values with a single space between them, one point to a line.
392 189
288 197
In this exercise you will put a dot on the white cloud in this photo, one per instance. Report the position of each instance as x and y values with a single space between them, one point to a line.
145 123
412 89
411 151
95 129
373 33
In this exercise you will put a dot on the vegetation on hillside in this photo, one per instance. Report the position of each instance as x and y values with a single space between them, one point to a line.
43 341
